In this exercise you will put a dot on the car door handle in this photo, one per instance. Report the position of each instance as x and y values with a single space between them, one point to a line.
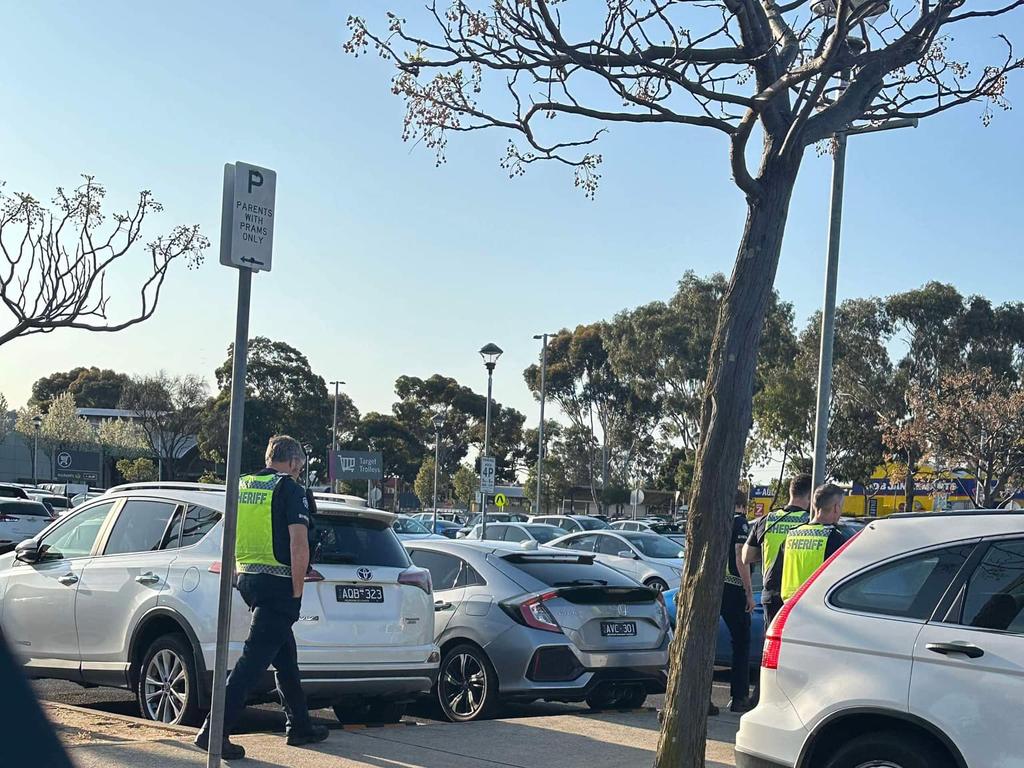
148 578
968 650
68 579
442 605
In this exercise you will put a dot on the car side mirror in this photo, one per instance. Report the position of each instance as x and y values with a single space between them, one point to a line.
681 554
27 551
627 554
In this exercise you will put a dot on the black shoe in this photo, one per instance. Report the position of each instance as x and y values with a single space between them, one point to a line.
310 735
228 751
712 709
741 705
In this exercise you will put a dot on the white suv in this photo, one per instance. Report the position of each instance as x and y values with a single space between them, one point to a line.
122 591
905 650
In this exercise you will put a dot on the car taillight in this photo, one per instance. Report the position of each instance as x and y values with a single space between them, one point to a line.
773 638
664 607
313 575
214 567
533 613
417 577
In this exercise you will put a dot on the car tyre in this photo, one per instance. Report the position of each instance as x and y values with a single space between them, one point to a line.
634 699
168 688
888 749
604 697
385 712
467 686
656 584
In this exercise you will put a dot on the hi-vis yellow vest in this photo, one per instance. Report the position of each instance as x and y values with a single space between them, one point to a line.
804 554
254 539
776 526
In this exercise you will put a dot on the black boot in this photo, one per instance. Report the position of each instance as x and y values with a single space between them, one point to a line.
310 735
228 751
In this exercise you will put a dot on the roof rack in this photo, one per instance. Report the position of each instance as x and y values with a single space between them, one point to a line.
168 486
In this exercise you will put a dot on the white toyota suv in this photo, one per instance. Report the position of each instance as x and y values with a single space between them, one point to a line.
122 591
904 650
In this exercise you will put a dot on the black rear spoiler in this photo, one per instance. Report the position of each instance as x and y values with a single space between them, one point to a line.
533 557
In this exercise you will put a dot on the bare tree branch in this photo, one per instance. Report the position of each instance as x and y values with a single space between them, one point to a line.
48 282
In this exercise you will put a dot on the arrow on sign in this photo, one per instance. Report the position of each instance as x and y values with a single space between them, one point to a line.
248 260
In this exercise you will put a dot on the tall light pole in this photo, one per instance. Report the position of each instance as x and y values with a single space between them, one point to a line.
828 313
37 423
543 337
334 433
490 353
438 422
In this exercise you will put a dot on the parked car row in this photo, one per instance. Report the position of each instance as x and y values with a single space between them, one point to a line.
122 591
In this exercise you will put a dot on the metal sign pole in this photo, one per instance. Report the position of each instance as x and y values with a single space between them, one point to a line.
227 557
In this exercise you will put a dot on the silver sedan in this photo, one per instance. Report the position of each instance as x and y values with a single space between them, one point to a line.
518 622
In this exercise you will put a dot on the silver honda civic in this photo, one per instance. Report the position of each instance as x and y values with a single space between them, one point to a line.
518 622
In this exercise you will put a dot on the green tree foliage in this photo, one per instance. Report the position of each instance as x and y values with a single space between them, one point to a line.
6 422
465 484
137 470
61 426
462 411
403 453
123 438
943 333
581 380
423 487
554 484
862 388
283 395
170 411
92 387
660 350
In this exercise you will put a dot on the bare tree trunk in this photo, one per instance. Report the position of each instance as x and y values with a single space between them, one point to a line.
782 477
725 423
908 498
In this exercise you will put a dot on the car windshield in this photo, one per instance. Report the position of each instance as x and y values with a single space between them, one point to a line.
491 518
24 509
544 533
653 545
591 524
10 492
357 541
59 502
408 525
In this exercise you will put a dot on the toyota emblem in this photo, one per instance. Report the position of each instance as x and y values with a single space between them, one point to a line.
365 574
63 459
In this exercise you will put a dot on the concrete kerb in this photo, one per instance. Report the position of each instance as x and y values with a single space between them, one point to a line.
181 731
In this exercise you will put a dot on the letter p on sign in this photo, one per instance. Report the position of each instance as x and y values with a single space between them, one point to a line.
255 179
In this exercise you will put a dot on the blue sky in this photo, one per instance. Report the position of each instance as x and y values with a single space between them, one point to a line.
385 265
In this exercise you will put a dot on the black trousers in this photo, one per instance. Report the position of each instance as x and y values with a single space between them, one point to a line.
772 606
270 642
734 611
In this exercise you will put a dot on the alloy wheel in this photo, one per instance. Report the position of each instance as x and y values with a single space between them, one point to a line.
464 685
166 687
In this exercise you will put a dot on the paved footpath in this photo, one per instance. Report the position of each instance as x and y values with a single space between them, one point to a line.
609 740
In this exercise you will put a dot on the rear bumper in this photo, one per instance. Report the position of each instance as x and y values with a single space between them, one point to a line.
390 683
393 684
513 652
743 760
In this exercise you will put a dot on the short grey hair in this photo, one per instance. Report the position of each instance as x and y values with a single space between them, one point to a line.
282 448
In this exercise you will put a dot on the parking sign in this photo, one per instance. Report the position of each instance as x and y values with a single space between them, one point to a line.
487 472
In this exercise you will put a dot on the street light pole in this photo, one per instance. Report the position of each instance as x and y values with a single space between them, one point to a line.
828 314
37 423
490 353
540 432
334 432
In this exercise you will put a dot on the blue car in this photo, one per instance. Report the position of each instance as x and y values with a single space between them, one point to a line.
446 528
723 648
